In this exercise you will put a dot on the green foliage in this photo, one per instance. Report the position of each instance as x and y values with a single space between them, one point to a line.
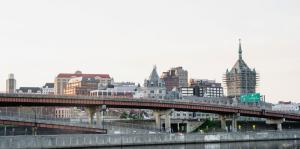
207 126
124 115
132 115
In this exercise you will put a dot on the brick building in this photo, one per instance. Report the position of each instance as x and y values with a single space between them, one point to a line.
62 80
175 78
81 86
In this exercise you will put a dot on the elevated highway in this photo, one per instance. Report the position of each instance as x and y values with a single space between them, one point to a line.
178 105
52 126
96 105
21 119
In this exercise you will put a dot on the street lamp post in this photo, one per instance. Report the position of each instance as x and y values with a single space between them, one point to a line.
35 123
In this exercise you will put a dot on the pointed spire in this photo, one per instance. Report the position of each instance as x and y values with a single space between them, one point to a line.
240 49
154 67
154 74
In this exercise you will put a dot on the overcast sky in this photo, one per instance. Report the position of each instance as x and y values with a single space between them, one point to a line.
125 38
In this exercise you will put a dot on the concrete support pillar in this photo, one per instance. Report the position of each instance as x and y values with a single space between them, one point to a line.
234 123
91 112
167 113
223 122
100 115
188 128
168 123
278 122
99 118
233 127
279 127
4 130
34 130
156 115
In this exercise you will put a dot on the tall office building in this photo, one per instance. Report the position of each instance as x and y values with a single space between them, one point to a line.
175 78
11 84
240 79
206 88
203 88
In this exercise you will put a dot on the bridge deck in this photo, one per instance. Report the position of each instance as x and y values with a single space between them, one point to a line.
53 126
179 105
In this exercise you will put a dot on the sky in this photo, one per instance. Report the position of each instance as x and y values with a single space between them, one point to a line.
39 39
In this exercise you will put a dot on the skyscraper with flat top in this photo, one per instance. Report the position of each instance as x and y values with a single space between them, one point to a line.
240 79
11 84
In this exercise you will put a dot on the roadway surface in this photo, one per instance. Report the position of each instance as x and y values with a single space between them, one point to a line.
178 105
44 122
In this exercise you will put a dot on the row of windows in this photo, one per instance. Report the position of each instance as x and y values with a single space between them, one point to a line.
213 89
183 114
62 112
210 91
63 116
154 97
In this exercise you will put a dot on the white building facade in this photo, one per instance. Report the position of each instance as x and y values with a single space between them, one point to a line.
193 115
287 107
62 112
154 87
116 91
48 89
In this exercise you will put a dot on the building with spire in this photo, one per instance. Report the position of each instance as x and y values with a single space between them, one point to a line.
154 80
240 79
154 87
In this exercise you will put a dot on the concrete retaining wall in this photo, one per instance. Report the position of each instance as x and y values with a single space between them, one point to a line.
71 141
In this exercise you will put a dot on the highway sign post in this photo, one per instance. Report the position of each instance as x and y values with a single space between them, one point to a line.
250 98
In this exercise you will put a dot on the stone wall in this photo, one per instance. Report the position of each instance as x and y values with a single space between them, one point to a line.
94 140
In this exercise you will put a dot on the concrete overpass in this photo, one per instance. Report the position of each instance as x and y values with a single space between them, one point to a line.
21 119
53 126
160 107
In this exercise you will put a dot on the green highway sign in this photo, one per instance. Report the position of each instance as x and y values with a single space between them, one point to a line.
254 97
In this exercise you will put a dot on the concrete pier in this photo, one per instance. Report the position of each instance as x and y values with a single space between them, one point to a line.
278 122
83 141
233 126
167 113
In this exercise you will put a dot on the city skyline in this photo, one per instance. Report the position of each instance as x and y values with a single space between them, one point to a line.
40 39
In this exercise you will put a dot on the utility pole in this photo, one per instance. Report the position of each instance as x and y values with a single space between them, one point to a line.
34 129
